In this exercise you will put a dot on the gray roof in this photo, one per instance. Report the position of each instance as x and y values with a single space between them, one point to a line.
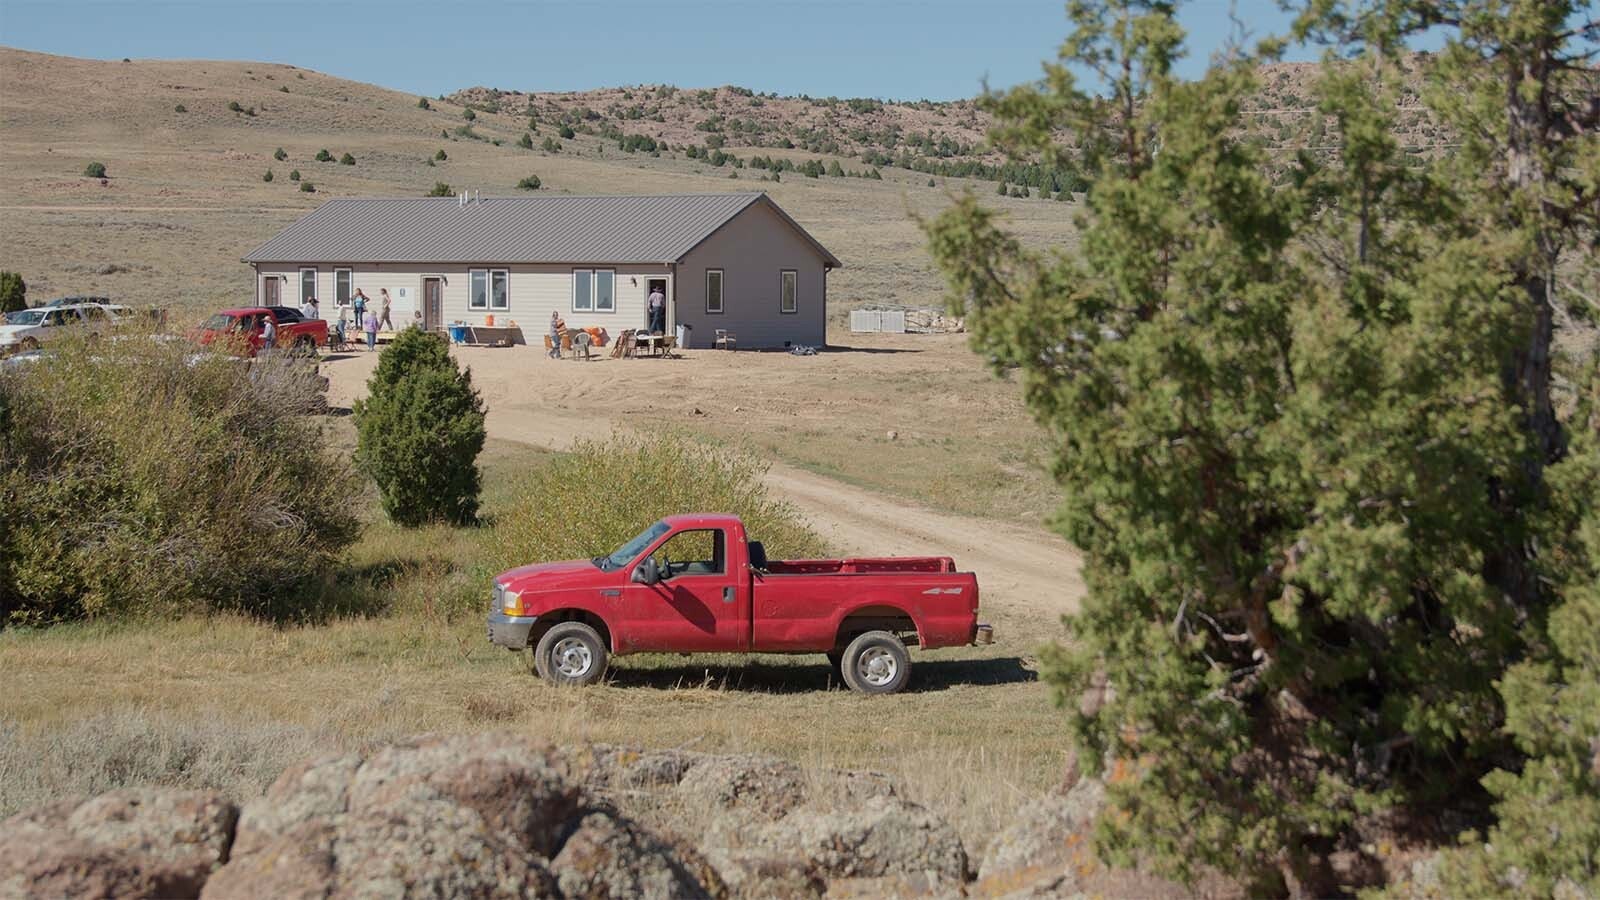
546 228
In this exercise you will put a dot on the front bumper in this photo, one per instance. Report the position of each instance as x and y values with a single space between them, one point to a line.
510 632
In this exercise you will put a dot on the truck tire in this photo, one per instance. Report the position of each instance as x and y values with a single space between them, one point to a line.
304 346
571 653
876 663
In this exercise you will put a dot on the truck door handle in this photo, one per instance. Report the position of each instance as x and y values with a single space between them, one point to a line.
727 595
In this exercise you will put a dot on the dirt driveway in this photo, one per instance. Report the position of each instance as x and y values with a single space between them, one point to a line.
1030 576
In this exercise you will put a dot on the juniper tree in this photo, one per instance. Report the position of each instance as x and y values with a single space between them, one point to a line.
1289 449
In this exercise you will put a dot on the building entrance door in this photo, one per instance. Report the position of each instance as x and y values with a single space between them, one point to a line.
432 304
269 291
651 286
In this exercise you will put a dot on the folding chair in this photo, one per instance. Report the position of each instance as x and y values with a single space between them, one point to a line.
726 339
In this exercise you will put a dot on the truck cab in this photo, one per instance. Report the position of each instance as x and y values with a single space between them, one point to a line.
697 583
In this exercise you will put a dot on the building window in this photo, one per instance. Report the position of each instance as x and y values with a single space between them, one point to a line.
499 289
308 284
489 289
594 290
788 290
714 291
341 287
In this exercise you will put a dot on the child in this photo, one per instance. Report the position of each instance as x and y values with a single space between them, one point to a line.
371 325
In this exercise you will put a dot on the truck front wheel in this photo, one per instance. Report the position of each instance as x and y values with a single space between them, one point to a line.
571 653
876 663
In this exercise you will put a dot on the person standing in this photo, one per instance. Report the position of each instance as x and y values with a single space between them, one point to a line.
310 309
383 301
556 327
359 304
371 323
658 310
269 335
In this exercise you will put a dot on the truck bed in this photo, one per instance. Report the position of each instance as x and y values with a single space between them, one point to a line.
862 566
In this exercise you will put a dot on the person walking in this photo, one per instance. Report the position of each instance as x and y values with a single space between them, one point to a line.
383 301
556 327
269 335
371 327
658 310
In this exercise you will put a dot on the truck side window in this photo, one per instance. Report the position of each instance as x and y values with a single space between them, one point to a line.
701 552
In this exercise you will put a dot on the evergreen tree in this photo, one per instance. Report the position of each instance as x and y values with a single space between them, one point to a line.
419 432
1303 439
13 292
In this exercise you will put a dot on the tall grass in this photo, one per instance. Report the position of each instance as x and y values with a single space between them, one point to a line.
139 477
588 501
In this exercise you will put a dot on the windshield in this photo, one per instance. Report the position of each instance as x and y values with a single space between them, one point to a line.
630 551
218 322
25 317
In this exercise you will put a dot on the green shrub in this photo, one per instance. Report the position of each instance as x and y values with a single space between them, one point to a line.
441 189
294 174
180 108
324 156
567 133
347 160
151 482
640 479
233 106
95 170
469 115
441 156
13 292
267 177
550 145
307 187
526 141
280 154
422 103
283 88
419 432
531 183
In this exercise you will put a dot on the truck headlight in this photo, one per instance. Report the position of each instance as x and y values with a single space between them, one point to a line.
511 603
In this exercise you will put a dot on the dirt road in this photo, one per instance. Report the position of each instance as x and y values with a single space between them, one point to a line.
1029 575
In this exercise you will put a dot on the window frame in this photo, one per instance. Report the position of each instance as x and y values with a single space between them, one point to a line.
794 296
349 287
589 300
315 275
472 291
722 292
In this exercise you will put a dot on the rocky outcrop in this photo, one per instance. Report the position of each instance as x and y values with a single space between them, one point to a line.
132 843
498 816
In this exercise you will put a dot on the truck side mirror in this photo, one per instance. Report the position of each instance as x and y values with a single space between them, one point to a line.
646 572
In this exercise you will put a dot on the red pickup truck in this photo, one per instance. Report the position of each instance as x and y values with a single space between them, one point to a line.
695 583
243 328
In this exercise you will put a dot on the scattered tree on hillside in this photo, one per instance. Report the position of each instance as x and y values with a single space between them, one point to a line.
324 156
526 141
422 103
469 115
531 183
180 108
13 292
267 177
419 432
440 189
550 145
347 160
294 174
441 156
234 106
307 187
1307 445
280 154
95 170
567 133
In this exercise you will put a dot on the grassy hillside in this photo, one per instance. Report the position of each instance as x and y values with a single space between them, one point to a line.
185 197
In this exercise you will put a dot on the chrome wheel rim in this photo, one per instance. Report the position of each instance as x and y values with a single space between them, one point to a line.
571 657
877 666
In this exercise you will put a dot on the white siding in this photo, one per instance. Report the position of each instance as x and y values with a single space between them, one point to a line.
534 291
752 250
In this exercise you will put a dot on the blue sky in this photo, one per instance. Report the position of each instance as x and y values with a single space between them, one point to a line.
938 49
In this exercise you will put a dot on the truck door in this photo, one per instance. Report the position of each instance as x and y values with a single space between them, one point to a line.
696 606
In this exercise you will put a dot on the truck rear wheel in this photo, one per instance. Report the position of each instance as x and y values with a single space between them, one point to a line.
571 653
876 663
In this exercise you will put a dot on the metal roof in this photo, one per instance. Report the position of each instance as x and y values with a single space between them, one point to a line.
548 228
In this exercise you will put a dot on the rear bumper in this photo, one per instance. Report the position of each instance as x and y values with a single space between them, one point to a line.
983 634
510 632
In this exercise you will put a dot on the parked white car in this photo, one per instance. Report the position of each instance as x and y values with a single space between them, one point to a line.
28 329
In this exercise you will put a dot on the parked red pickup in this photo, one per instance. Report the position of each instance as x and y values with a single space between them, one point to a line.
694 583
243 328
